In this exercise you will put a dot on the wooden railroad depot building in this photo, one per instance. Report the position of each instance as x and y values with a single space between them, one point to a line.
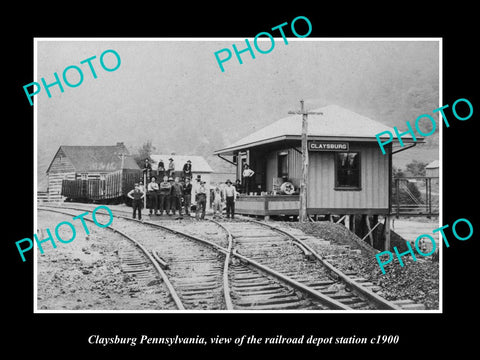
347 172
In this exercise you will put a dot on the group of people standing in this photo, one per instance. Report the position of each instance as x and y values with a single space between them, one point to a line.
168 170
227 195
175 194
169 196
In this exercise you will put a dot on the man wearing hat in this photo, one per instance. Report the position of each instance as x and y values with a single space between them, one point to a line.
171 200
187 170
152 193
230 195
136 195
160 169
176 200
187 195
171 168
201 199
164 195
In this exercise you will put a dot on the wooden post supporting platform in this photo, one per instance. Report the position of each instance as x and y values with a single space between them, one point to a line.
145 191
367 221
386 227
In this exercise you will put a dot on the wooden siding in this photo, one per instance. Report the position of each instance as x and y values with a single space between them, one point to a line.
61 164
90 176
374 181
294 161
322 194
60 169
271 170
267 205
55 184
295 167
434 172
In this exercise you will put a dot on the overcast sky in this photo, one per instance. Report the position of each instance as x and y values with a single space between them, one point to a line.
174 87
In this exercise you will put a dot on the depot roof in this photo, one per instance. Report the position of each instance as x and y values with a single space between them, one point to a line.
336 123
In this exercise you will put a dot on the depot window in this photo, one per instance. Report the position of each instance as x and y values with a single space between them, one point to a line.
347 171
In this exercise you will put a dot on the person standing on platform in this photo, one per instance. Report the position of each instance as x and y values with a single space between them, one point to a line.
164 195
152 194
144 190
147 168
177 192
230 195
217 202
136 195
171 168
187 170
201 200
247 177
187 195
160 169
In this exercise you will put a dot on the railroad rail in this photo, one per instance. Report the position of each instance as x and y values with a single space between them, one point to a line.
245 267
284 252
136 262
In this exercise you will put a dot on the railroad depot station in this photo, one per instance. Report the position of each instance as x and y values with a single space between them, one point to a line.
348 175
190 259
349 178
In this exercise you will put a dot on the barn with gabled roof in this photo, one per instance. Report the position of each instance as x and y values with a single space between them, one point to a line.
85 163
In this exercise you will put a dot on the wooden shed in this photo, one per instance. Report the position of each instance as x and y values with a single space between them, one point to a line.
85 163
348 174
432 169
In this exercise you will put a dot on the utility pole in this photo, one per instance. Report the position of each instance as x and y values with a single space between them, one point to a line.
302 215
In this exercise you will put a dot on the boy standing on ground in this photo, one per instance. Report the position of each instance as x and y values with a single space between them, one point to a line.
217 202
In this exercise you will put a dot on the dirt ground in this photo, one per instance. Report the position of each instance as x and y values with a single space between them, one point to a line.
86 273
418 281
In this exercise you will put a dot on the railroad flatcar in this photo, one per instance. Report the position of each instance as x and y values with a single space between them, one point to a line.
113 188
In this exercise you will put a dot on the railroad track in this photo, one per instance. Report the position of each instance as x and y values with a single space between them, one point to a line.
194 267
137 266
283 252
244 265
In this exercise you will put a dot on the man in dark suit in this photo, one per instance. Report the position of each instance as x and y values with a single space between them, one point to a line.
187 170
147 168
